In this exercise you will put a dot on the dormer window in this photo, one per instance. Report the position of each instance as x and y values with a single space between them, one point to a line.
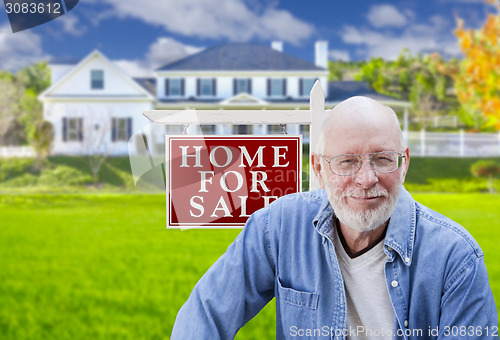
97 79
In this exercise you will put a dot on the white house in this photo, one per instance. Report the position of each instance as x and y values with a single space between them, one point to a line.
94 106
240 76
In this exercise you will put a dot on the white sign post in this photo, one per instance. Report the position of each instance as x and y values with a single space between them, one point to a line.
313 117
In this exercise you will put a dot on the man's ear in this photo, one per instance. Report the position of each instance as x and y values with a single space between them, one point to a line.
316 166
406 163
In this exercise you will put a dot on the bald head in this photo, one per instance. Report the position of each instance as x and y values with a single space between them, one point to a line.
350 119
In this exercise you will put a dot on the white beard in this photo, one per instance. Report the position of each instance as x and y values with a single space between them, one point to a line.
367 220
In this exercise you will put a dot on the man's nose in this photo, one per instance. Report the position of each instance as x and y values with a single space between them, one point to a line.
366 177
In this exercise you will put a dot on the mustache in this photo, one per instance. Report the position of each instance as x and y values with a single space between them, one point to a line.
361 193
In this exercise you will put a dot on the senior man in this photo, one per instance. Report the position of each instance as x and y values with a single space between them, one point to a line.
358 259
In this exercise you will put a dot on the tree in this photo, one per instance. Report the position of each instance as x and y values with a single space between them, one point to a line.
42 139
10 96
486 169
477 81
413 78
20 109
96 142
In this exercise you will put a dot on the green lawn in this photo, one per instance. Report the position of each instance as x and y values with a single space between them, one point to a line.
104 267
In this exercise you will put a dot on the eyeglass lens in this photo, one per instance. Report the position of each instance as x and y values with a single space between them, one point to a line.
383 162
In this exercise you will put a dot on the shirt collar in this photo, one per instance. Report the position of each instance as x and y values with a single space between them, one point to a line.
400 231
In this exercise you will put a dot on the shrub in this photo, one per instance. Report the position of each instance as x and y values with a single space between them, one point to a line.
486 169
63 175
24 180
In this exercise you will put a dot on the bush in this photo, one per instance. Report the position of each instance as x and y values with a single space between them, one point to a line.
24 180
486 169
63 175
14 167
450 185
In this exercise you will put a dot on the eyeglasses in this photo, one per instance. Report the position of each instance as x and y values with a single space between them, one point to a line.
382 162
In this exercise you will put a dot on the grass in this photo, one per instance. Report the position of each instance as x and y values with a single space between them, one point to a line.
102 266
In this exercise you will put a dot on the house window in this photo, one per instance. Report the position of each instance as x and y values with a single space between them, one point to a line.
241 129
72 129
306 85
121 129
207 129
206 87
276 87
174 87
97 79
242 85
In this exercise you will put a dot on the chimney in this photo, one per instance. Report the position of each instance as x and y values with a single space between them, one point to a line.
277 46
321 53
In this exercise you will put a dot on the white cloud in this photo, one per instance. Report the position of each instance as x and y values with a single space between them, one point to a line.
71 24
340 55
385 15
434 36
163 51
230 19
19 49
166 50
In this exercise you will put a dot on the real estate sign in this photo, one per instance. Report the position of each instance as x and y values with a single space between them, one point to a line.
219 181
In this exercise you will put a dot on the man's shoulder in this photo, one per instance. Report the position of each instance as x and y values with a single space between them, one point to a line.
293 210
443 231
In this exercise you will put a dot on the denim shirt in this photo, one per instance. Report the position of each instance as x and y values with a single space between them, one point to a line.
435 273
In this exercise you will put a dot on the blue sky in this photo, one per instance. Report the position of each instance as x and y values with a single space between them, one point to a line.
141 35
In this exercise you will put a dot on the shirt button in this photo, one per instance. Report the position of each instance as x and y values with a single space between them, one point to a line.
406 323
394 283
407 259
389 248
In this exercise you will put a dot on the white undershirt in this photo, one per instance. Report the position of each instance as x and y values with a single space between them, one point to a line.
369 310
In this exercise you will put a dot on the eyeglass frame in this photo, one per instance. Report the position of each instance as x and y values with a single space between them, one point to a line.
360 164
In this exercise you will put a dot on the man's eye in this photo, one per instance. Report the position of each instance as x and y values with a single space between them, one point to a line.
348 161
383 160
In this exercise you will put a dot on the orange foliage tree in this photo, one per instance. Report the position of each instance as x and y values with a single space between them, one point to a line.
477 80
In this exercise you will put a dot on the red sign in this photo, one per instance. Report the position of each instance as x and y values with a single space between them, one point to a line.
219 181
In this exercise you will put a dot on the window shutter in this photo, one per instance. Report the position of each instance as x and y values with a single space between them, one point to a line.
235 85
249 85
301 87
65 129
167 87
269 87
80 129
113 129
182 87
129 128
284 87
214 87
198 86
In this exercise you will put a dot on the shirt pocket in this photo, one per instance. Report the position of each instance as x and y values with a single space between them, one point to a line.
297 309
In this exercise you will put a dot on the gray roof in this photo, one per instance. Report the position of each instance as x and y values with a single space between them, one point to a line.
149 84
241 57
